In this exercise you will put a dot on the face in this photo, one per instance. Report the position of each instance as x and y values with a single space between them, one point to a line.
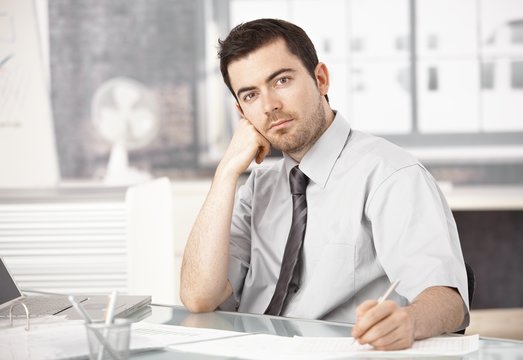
280 98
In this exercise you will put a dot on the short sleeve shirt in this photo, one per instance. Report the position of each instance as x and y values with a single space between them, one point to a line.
375 214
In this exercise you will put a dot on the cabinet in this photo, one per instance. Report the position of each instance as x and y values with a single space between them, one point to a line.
468 67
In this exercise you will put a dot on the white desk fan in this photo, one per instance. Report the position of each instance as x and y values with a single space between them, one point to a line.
125 114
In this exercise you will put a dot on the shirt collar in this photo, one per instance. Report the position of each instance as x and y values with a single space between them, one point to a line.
318 162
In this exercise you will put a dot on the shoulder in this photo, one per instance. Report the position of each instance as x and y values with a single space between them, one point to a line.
385 167
380 153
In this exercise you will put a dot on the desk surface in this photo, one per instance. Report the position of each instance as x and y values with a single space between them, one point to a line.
176 315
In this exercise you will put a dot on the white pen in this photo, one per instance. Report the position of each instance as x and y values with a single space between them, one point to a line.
388 292
109 315
80 309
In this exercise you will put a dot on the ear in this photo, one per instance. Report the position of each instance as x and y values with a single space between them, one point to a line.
322 78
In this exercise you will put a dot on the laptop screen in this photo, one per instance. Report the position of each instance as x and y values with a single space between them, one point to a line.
8 291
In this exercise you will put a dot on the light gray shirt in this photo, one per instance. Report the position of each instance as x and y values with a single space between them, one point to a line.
375 215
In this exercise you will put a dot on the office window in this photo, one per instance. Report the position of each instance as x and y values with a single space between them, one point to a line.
152 44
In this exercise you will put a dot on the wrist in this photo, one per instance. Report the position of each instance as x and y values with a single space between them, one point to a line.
412 315
226 172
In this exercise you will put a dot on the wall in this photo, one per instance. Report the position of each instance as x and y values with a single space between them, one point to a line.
492 243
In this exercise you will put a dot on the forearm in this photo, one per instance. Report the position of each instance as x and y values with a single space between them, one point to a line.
437 310
204 283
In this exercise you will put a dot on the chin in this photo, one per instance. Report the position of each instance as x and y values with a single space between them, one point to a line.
290 147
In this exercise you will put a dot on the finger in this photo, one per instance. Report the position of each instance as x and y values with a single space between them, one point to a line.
379 331
360 312
264 144
399 344
391 341
373 316
398 339
364 307
393 333
263 152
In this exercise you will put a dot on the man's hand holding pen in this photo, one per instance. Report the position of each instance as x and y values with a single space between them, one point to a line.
383 324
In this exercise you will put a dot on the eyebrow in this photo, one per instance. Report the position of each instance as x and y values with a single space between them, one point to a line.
267 80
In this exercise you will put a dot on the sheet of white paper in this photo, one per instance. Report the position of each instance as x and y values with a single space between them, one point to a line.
248 346
68 339
261 346
449 346
44 341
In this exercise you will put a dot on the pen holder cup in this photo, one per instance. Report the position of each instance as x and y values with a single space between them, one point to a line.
109 342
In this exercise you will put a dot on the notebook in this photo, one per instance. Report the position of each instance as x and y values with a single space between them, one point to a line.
41 305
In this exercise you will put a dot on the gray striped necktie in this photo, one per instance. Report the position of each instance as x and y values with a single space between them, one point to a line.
290 267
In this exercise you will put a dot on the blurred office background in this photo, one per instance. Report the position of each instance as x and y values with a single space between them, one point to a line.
442 78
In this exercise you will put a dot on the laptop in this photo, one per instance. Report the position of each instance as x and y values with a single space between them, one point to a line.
41 305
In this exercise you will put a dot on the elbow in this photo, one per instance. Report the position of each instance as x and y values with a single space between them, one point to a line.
202 297
197 304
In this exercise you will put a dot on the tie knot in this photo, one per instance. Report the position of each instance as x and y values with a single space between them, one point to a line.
298 181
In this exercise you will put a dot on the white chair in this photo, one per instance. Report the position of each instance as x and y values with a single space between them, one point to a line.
151 264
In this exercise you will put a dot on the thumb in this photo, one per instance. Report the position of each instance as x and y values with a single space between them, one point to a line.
263 151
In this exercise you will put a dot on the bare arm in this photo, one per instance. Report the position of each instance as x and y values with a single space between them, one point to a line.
204 282
437 310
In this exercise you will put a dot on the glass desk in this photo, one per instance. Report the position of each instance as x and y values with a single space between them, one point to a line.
494 349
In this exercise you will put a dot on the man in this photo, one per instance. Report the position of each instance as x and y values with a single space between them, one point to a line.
367 213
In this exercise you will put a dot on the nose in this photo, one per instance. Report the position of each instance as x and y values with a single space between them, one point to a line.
271 102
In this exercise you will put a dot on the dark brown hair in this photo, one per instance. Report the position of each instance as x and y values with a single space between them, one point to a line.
250 36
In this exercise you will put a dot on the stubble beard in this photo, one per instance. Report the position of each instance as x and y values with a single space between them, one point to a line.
304 135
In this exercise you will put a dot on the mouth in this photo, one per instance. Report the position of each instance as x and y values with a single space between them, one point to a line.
280 124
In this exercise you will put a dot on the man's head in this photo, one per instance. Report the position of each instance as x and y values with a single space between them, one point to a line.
272 70
248 37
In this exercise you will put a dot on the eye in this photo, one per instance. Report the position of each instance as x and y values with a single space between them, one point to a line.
283 80
249 96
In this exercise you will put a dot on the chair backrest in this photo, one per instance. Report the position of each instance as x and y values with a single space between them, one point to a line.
471 282
150 241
